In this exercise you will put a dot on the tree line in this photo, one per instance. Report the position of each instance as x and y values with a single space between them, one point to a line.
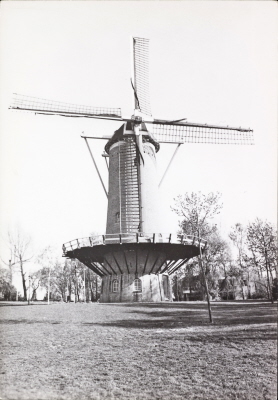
69 280
61 280
244 267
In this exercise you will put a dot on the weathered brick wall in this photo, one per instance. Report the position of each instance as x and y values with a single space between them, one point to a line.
123 216
123 196
153 289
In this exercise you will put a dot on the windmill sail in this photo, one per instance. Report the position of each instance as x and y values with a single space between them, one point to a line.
43 106
141 75
166 132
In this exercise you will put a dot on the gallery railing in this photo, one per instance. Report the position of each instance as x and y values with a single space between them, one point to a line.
121 238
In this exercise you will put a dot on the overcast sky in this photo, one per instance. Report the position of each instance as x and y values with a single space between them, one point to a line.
210 62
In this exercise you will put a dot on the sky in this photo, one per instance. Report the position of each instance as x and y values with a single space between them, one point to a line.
210 62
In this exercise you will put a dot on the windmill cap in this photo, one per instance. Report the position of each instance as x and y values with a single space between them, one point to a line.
127 130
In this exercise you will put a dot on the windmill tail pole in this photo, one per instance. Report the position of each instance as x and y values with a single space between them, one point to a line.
141 188
170 162
96 166
29 278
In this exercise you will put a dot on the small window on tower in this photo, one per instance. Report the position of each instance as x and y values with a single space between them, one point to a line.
115 286
117 217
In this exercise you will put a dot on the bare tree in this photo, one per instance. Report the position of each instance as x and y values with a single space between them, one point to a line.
93 285
237 236
34 284
19 245
197 210
7 290
262 242
48 260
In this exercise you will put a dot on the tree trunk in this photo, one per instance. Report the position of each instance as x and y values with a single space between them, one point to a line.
178 293
91 288
69 291
248 286
34 295
76 294
23 280
271 276
84 285
205 280
268 280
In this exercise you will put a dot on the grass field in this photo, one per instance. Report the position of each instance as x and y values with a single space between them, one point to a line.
138 351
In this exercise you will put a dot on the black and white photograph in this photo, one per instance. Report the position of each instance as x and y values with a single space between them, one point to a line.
138 212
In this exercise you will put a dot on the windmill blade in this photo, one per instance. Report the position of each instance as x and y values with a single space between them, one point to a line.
141 75
43 106
189 132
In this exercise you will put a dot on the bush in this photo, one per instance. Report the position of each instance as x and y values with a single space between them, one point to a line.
259 294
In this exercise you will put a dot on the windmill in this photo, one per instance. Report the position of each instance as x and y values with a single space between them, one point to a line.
133 258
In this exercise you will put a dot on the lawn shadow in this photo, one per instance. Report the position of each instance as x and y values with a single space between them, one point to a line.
27 322
189 304
22 305
183 315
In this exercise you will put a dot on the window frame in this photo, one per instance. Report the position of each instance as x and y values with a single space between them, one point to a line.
137 285
115 286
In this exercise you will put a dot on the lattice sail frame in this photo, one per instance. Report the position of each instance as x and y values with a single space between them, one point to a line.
29 103
198 133
162 130
141 74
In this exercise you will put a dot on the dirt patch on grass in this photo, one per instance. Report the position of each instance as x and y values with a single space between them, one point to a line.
138 351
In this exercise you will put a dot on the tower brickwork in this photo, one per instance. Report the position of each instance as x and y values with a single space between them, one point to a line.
123 214
132 204
128 183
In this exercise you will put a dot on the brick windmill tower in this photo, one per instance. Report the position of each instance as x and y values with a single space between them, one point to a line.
134 258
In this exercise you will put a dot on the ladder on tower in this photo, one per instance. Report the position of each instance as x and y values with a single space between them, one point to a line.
128 186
